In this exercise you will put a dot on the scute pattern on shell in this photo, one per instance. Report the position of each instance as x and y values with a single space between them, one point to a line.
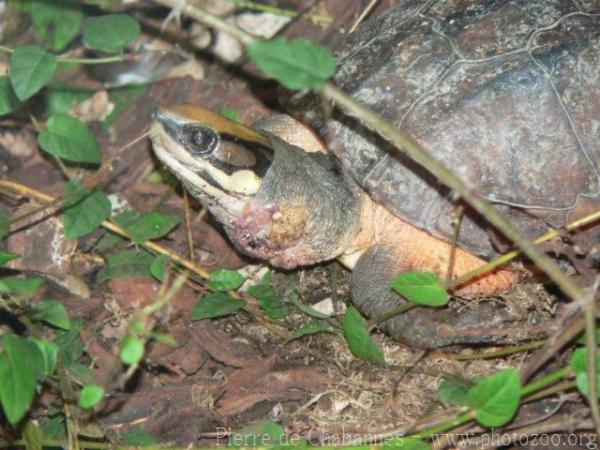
505 92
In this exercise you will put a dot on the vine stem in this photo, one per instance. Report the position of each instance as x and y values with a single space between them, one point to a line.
66 59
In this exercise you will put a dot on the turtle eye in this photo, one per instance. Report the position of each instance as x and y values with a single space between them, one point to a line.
201 140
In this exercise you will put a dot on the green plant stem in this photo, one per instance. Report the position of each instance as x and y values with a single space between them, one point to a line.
546 381
164 299
460 420
558 387
105 60
495 354
66 59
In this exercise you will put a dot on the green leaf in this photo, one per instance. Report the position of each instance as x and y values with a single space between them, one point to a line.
7 256
158 268
258 435
307 309
424 288
163 338
297 63
269 300
90 396
495 399
128 263
69 138
8 99
20 365
55 428
49 352
142 227
406 443
60 99
52 312
453 392
311 328
85 210
132 350
70 346
579 365
32 436
579 360
224 280
4 224
31 68
216 305
357 334
25 287
110 33
57 22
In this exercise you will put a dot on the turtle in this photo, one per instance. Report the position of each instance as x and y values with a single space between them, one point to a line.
506 93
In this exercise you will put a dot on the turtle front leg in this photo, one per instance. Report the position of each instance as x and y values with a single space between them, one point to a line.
425 327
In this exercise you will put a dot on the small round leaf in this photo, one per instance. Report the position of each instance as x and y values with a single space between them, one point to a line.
223 280
31 68
56 22
296 63
110 33
90 396
424 288
132 350
216 305
358 337
8 100
496 398
69 138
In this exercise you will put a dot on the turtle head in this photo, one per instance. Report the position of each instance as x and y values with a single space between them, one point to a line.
275 201
221 162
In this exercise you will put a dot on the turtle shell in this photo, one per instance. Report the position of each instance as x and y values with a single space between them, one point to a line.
506 93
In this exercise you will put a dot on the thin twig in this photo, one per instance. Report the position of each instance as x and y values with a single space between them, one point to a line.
589 309
458 215
362 16
188 224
